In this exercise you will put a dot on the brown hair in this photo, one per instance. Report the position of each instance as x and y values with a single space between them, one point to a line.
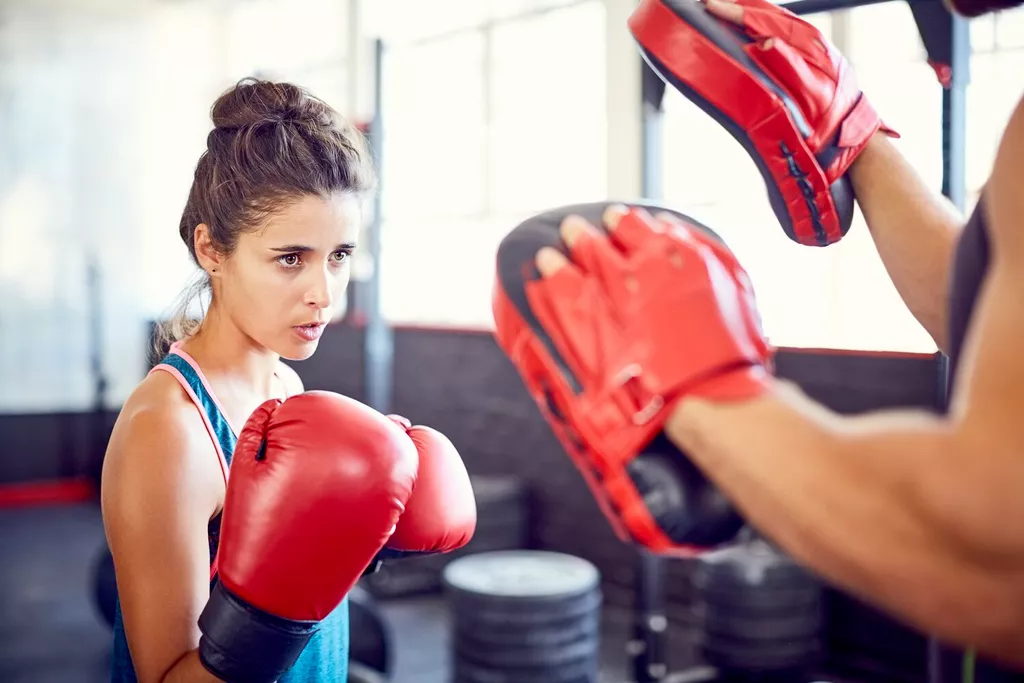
272 144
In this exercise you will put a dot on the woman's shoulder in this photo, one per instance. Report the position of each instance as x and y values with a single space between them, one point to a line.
158 402
159 434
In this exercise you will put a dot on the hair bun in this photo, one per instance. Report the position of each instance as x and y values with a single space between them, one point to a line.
254 102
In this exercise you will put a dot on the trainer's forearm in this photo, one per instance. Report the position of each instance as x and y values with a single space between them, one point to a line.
914 230
873 504
189 669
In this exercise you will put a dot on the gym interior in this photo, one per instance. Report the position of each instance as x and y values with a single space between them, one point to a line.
480 113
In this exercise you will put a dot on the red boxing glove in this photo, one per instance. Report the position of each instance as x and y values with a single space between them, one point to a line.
611 342
781 90
317 484
441 514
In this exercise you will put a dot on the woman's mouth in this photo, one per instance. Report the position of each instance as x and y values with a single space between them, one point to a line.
310 332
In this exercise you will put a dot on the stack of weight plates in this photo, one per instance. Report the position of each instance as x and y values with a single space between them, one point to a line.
524 617
502 509
757 610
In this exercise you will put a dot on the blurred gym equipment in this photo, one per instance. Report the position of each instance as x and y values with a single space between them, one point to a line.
758 613
524 616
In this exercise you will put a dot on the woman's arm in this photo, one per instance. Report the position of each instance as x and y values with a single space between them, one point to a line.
914 228
161 484
922 515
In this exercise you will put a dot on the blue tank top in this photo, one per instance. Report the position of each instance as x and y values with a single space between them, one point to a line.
325 658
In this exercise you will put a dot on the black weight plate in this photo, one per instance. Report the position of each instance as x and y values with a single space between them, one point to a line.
357 673
467 678
501 509
406 576
774 628
491 489
750 565
507 525
523 577
369 637
504 634
104 585
401 584
539 655
774 601
758 608
577 672
739 655
521 614
488 544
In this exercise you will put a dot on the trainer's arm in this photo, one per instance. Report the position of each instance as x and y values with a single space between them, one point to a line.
922 515
914 229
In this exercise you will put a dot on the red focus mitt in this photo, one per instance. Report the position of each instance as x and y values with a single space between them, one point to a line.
609 344
781 90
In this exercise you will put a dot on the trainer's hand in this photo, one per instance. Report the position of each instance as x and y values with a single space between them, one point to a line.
622 317
726 9
550 261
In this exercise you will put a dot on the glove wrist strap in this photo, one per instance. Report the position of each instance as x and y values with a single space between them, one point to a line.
241 643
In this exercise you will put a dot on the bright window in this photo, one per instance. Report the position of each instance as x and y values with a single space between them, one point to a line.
434 129
479 134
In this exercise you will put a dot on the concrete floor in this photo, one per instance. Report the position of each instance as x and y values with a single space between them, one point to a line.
50 632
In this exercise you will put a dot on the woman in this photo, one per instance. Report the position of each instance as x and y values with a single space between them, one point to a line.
271 220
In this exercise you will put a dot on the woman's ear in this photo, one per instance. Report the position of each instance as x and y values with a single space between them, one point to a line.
206 252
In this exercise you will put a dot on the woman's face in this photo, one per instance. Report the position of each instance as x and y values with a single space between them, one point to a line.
283 281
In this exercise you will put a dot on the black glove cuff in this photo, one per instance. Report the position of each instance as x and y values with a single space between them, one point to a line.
242 644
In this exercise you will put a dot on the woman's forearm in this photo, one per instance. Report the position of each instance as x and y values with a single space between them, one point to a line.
871 504
914 229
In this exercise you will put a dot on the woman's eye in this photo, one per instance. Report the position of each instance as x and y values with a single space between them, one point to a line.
289 260
340 256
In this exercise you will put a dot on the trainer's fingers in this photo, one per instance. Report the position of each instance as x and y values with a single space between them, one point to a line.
590 249
633 229
612 215
666 217
550 261
726 9
573 228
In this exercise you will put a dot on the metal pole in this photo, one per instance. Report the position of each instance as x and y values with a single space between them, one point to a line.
97 426
954 116
379 341
646 650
